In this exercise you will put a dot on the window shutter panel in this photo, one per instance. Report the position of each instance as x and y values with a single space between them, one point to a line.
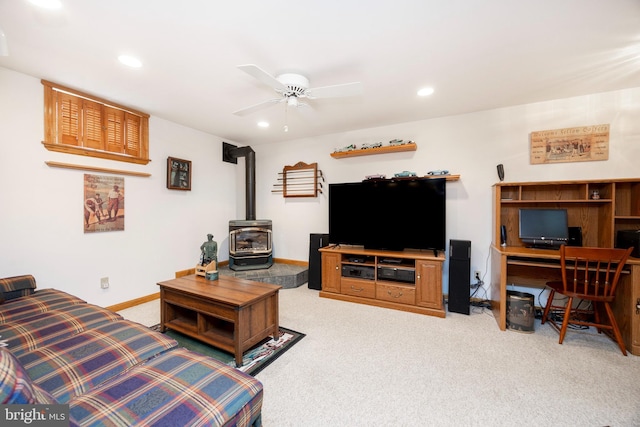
115 130
92 129
79 123
132 146
68 119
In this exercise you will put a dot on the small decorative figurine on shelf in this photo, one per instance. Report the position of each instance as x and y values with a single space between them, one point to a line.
208 266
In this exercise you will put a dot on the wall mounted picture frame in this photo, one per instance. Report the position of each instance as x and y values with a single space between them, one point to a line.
103 203
178 174
579 144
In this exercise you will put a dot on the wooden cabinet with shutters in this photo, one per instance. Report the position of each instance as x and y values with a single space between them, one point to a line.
401 280
78 123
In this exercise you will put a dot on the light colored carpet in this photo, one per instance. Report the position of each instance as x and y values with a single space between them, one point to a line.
369 366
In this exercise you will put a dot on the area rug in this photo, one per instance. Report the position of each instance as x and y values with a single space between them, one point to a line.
254 359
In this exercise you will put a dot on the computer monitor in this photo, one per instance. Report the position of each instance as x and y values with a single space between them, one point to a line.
543 228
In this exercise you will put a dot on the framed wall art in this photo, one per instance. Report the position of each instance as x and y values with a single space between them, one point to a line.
178 174
579 144
103 203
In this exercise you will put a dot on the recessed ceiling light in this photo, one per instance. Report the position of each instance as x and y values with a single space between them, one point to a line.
263 124
130 61
47 4
425 91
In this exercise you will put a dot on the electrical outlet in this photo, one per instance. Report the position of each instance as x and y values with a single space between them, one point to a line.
104 283
477 275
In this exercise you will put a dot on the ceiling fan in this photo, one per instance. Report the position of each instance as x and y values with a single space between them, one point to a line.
291 87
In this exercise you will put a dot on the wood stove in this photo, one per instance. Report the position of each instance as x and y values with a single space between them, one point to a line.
250 244
250 238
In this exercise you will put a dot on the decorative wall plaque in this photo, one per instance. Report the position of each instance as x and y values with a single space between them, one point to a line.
580 144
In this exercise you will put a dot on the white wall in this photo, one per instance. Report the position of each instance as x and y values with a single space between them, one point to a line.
41 222
470 145
41 214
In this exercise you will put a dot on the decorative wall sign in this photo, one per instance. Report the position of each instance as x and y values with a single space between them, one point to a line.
178 174
581 144
103 203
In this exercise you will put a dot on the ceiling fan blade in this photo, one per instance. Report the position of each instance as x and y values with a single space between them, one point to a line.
263 76
335 91
257 107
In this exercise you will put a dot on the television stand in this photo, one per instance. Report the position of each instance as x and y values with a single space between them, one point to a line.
409 280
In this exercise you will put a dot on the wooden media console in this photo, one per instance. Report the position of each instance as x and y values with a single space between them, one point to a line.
401 280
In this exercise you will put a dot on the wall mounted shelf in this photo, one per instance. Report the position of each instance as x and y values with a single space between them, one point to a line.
447 177
412 146
95 169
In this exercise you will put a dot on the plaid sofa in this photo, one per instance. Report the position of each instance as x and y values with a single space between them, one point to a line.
56 348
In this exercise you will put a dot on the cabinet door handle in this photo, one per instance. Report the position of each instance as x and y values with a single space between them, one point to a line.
353 288
418 276
337 267
395 296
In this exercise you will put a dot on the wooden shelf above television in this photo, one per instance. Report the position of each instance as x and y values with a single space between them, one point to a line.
412 146
447 177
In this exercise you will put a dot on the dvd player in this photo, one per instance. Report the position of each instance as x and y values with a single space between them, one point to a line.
397 274
358 271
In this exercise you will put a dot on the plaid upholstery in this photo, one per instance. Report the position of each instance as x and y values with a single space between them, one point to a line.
77 364
38 302
42 396
15 385
177 388
51 326
17 286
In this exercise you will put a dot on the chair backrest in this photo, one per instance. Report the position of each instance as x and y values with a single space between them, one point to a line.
592 273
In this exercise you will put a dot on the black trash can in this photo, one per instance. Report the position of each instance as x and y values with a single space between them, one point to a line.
521 311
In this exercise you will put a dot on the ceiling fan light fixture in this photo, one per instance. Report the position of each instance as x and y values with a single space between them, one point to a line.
292 87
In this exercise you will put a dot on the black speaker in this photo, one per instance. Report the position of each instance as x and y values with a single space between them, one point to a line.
503 236
316 242
500 172
459 276
628 238
575 236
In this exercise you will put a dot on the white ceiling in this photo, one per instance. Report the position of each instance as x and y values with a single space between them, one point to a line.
476 54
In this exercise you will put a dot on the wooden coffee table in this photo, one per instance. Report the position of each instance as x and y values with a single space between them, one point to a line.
229 313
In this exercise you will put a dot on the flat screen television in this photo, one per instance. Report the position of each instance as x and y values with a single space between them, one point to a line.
543 228
390 214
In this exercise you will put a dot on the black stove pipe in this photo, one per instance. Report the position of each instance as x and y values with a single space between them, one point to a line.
230 153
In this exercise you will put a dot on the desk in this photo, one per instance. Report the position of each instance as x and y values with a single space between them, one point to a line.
534 267
229 313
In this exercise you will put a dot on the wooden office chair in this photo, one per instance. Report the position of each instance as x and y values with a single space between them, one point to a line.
588 274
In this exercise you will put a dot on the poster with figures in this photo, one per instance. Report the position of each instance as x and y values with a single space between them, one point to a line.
103 203
580 144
